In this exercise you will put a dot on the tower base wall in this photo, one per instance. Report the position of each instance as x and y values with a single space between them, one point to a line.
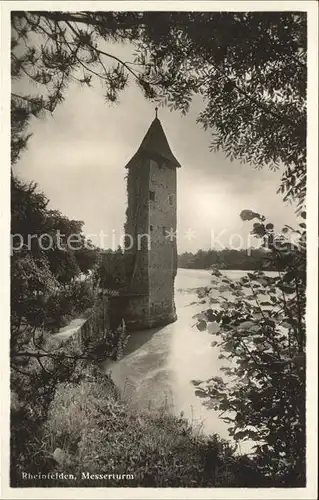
139 316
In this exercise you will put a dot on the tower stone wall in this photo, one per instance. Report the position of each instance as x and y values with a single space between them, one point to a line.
151 252
162 256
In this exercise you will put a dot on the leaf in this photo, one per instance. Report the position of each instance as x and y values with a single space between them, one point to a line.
250 297
202 292
216 272
263 281
212 315
259 229
286 289
240 435
251 276
249 215
288 277
246 324
214 300
212 327
254 329
285 324
201 394
201 325
196 382
200 316
225 305
225 280
224 288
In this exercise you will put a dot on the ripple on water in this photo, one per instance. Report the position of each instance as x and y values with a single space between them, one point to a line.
159 364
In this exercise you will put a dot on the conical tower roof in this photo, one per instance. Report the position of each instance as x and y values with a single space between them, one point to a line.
155 145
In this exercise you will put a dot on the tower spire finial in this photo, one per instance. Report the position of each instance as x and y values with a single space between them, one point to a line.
156 110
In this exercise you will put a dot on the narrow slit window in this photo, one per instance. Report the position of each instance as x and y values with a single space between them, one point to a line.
152 195
171 200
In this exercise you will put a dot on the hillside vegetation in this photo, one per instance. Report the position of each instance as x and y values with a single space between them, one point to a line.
91 431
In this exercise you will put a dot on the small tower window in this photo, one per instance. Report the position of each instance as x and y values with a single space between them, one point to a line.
171 200
152 195
151 228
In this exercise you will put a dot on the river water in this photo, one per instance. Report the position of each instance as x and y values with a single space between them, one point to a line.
159 364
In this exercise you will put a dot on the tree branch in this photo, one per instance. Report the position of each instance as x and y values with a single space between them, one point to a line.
111 56
83 19
259 104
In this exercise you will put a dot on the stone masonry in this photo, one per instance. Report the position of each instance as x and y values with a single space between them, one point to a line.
151 262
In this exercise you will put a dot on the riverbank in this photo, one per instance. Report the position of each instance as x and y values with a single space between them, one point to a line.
93 426
100 434
100 441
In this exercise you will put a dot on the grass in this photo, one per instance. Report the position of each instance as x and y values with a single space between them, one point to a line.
90 429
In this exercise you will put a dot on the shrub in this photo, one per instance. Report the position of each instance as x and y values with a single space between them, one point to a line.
39 365
67 302
260 329
96 432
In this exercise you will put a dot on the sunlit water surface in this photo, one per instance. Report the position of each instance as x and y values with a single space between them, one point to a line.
159 365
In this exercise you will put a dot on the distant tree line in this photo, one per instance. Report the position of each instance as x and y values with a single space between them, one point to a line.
246 259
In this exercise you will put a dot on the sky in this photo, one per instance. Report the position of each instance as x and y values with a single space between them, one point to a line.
78 155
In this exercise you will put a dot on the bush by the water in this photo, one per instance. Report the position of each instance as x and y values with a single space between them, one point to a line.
67 302
260 331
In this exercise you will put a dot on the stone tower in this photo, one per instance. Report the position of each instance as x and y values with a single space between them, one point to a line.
151 253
